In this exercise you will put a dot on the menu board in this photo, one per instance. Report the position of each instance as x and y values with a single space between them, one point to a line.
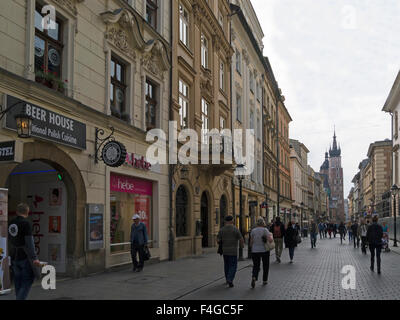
5 283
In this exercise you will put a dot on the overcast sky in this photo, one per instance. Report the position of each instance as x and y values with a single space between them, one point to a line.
335 61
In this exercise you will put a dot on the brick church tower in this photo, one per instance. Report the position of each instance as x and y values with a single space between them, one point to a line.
332 170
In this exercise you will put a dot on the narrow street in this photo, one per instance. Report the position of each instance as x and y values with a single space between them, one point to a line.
314 275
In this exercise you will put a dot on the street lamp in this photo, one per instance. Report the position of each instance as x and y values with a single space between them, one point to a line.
23 121
240 177
395 190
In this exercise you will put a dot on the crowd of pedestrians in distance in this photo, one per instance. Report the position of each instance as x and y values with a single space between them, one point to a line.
274 236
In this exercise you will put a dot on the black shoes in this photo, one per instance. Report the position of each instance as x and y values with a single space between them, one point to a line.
230 284
372 269
253 282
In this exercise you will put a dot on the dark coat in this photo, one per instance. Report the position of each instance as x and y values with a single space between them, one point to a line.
375 234
291 234
271 229
342 228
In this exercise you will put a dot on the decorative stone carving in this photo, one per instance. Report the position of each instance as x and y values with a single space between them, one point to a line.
120 39
216 43
206 88
70 5
246 56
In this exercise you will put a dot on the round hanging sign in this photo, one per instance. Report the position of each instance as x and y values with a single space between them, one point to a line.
114 154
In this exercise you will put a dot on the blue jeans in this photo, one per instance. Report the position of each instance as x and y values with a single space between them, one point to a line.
23 278
291 252
230 265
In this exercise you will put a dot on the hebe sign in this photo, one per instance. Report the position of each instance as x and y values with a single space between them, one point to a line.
137 162
130 185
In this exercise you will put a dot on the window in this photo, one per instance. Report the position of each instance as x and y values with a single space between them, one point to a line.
183 103
183 25
251 81
204 118
238 108
221 20
238 61
257 91
222 76
258 128
151 13
251 120
204 51
151 105
48 49
396 124
221 123
117 88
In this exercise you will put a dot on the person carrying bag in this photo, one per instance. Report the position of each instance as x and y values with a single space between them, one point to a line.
261 244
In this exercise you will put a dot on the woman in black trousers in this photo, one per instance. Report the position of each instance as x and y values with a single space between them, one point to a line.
291 235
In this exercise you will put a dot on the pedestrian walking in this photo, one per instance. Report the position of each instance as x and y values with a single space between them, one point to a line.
342 232
313 234
321 230
291 239
229 236
325 230
385 244
355 229
363 234
350 232
22 252
278 230
335 229
374 236
259 236
330 230
139 240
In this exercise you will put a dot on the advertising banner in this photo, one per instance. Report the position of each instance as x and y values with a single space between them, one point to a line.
130 185
5 283
142 208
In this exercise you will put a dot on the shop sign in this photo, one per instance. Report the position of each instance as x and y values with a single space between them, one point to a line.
113 154
7 151
48 125
132 185
137 162
5 283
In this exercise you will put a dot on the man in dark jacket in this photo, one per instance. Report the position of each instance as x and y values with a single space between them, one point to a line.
291 235
342 232
356 234
374 236
139 240
278 230
22 252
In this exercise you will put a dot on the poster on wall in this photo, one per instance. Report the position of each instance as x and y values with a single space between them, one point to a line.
54 253
55 197
5 283
54 224
96 227
142 208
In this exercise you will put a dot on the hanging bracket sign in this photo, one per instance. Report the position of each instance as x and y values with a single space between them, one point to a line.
113 153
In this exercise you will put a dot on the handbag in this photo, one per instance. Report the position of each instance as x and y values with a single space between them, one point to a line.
220 248
269 246
298 239
146 255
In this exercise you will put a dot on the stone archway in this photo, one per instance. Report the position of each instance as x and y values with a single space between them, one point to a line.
63 163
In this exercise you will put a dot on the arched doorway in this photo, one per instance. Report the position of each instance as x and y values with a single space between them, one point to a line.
49 192
222 210
181 211
204 219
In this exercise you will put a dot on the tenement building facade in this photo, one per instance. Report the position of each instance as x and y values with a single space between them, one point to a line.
96 65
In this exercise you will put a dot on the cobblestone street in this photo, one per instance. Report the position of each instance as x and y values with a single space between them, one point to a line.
315 274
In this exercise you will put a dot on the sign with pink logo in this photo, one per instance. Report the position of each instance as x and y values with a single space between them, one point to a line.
127 184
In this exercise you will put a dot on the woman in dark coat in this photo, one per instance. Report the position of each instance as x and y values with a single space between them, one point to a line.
291 234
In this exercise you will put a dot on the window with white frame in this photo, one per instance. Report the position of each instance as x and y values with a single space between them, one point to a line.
117 87
204 119
221 20
221 123
183 103
183 25
151 12
204 51
151 104
222 76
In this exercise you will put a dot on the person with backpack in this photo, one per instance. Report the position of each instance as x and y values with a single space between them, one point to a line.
291 239
363 234
313 234
278 231
355 229
259 237
374 236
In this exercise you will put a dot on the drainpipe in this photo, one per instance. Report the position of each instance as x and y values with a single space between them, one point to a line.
170 167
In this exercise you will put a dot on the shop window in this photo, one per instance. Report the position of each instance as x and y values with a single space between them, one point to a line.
118 89
151 12
124 203
151 104
48 52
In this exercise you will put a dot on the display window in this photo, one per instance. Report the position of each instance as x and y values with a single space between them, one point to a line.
128 196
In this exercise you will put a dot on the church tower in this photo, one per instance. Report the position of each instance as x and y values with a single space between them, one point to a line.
332 169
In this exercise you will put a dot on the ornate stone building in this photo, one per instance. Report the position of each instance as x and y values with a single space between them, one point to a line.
103 64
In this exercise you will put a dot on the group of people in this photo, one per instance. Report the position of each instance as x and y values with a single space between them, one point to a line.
229 238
